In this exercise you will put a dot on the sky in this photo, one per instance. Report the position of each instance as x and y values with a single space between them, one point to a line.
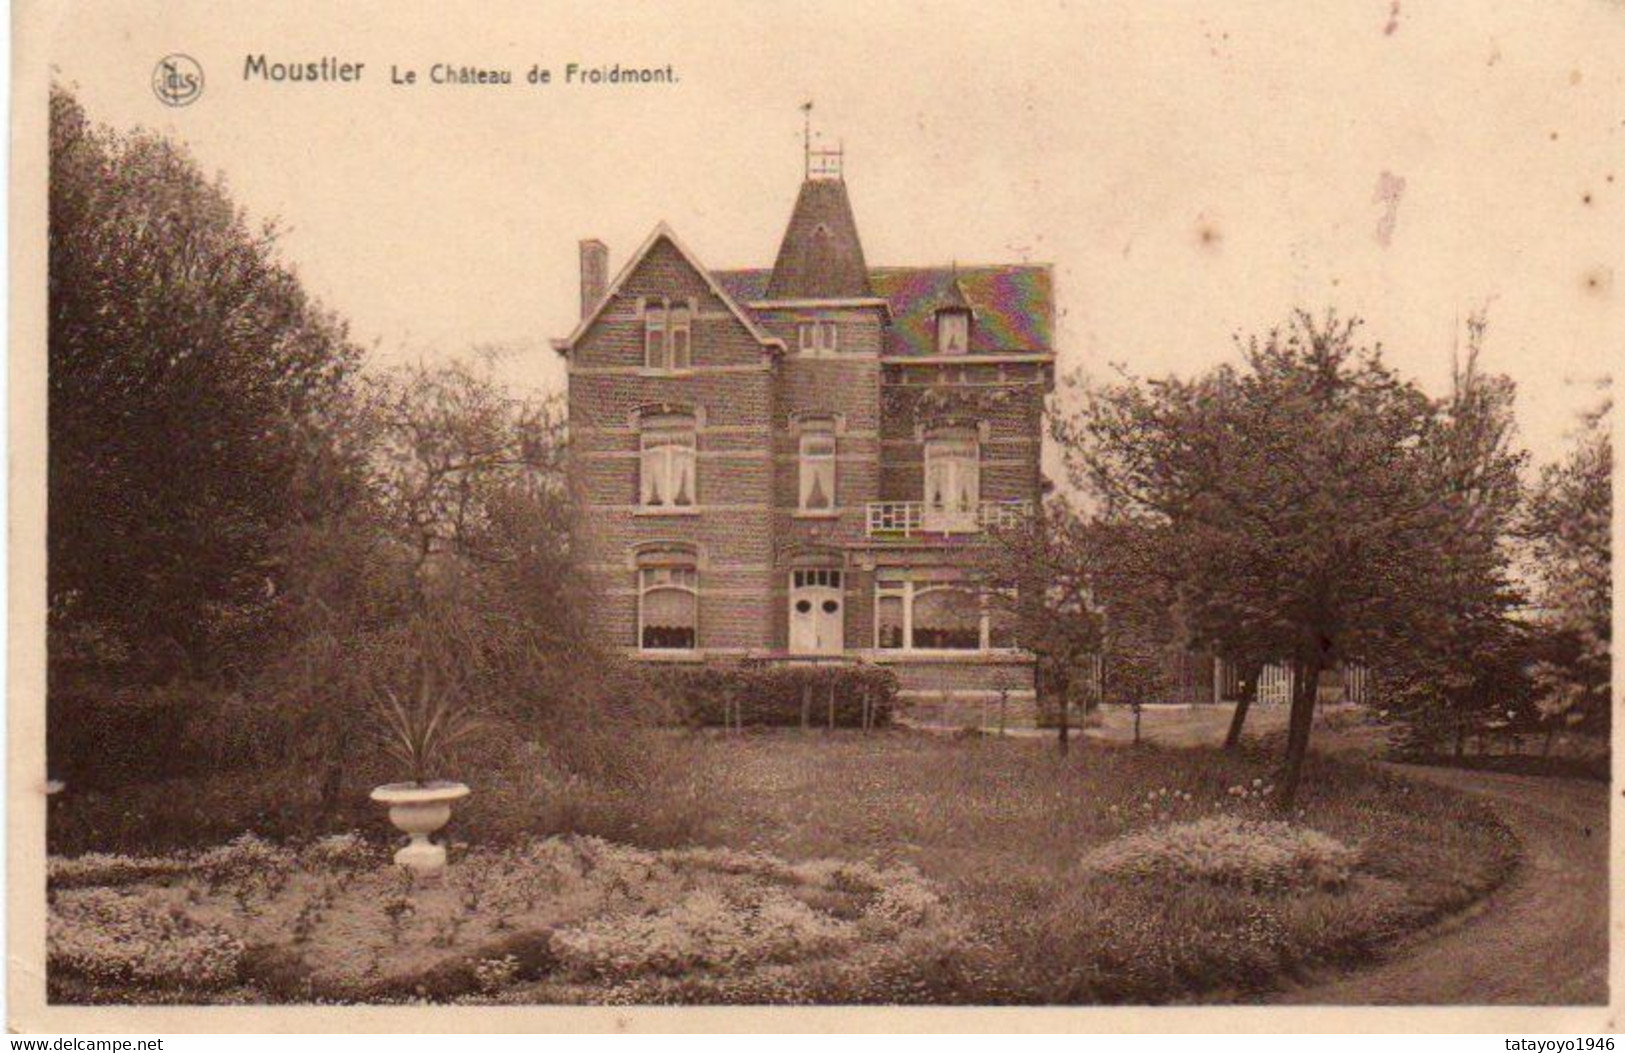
1190 170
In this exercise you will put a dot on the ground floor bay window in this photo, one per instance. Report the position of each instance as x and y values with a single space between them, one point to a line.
942 616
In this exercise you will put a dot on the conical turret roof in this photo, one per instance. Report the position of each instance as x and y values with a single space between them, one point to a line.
820 257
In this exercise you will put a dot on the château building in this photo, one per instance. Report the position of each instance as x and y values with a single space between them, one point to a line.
797 463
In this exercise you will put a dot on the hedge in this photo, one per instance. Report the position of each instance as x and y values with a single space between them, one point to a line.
777 696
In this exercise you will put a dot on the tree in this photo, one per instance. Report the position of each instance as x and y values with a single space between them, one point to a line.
189 379
1568 525
458 564
1038 573
1291 496
1467 672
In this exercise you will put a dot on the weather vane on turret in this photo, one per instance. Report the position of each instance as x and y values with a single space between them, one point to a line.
823 163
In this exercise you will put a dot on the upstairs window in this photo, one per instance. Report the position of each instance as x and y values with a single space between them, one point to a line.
668 335
668 606
816 338
818 466
953 475
654 335
953 332
666 462
679 336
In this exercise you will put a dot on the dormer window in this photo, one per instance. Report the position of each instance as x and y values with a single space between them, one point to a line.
953 331
667 335
816 338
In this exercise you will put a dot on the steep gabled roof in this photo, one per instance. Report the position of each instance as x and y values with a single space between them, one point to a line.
662 232
820 257
1013 305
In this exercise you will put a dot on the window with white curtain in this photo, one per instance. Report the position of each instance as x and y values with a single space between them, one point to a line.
953 475
817 466
668 607
953 332
666 462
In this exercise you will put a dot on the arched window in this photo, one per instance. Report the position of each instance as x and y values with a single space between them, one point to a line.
668 602
943 616
666 462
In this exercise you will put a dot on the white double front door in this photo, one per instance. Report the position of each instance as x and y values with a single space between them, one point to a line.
816 614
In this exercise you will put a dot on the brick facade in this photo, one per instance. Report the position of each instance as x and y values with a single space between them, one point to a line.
725 562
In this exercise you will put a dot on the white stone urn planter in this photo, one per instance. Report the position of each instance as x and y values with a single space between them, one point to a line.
419 809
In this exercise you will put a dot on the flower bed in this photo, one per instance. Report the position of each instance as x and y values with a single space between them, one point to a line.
252 921
1258 855
1004 912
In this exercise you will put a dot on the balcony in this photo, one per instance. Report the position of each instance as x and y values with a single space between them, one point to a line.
895 520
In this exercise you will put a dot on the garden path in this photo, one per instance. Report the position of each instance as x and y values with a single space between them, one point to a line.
1542 939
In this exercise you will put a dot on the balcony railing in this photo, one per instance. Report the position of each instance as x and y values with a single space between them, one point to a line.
906 519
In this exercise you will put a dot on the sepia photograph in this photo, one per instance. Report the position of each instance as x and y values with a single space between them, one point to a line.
521 511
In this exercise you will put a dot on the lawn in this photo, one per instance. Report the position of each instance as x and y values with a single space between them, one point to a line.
801 867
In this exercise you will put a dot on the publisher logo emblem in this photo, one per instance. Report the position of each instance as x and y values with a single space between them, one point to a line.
177 80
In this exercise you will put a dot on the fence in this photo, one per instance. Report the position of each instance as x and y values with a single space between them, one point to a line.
1198 678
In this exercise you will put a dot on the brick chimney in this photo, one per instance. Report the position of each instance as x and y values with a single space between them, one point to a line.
594 274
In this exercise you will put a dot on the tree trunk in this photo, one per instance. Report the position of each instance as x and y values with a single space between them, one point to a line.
1249 694
1305 686
1044 689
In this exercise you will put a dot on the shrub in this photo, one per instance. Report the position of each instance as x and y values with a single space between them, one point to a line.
1259 855
348 851
775 696
102 734
113 936
246 860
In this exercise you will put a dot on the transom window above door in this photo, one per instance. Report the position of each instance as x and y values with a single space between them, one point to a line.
809 579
